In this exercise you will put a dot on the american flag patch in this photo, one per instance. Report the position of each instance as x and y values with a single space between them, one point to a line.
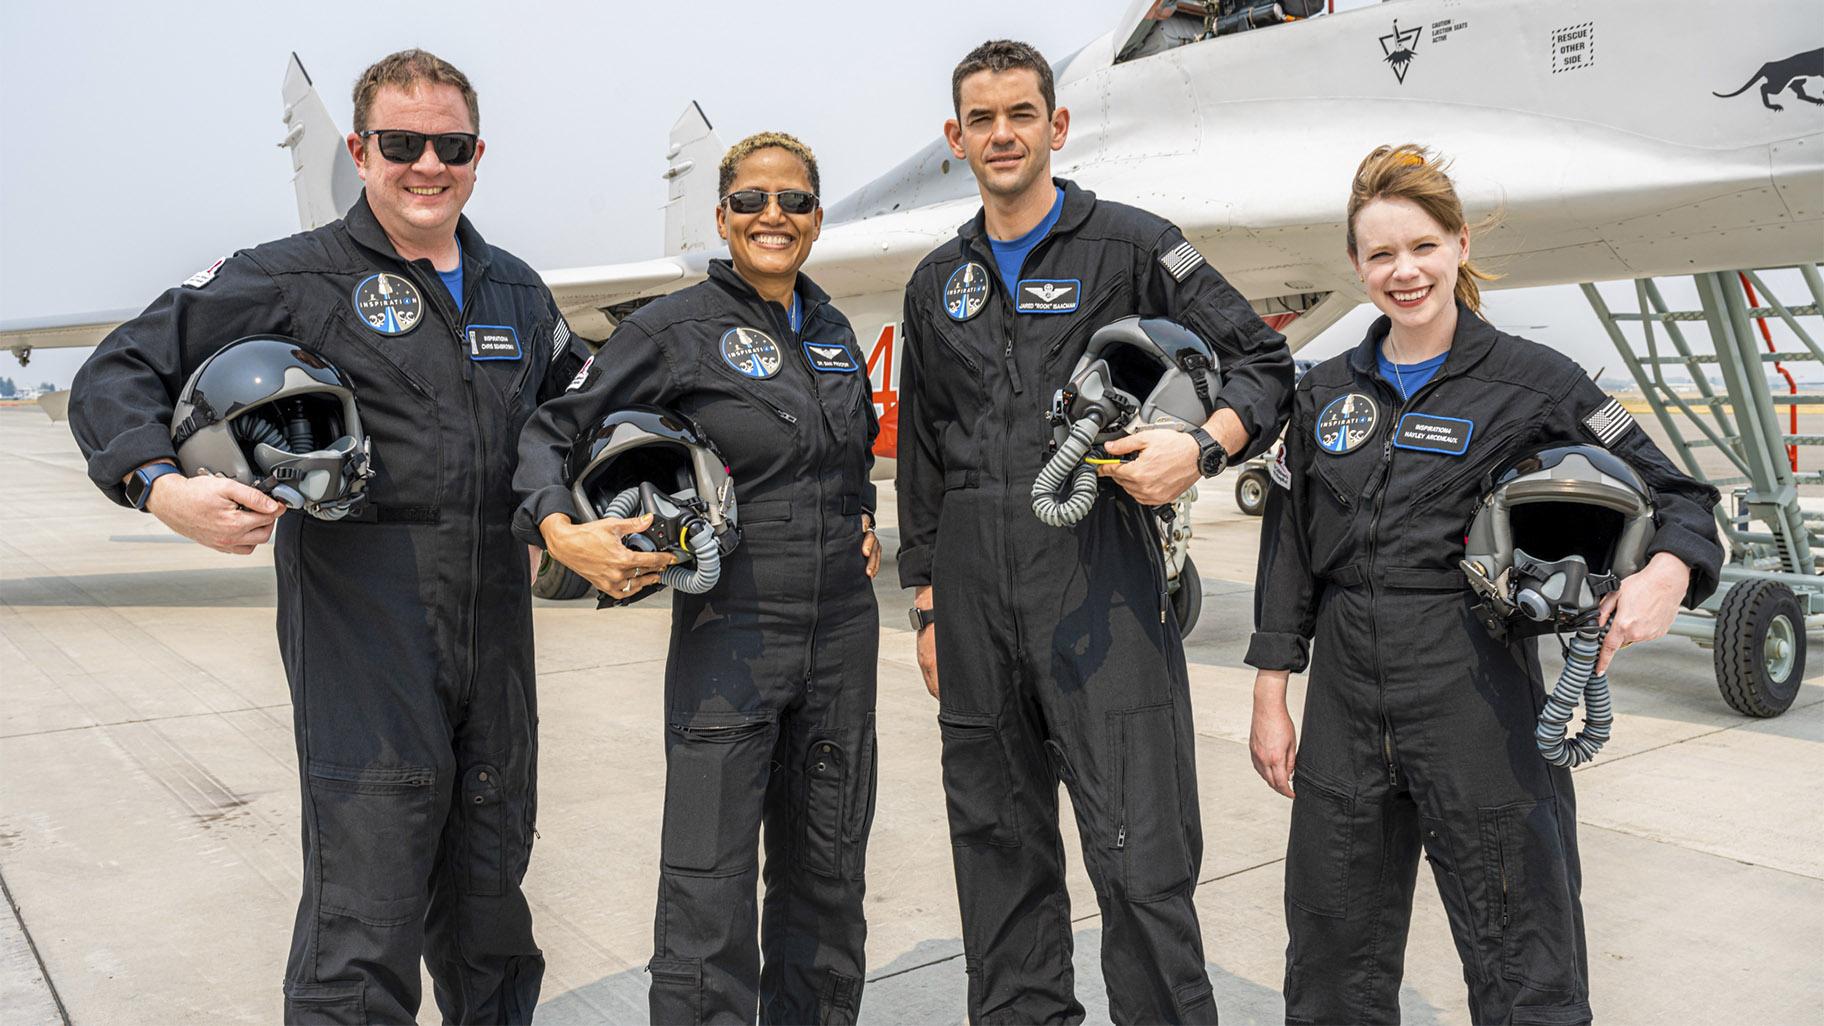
1181 260
559 336
581 376
1281 474
1609 422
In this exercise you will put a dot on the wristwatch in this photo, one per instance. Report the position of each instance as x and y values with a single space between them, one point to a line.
922 618
139 485
1212 458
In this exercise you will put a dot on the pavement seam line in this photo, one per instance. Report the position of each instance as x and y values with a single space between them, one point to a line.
1080 919
1746 722
1585 824
147 719
43 970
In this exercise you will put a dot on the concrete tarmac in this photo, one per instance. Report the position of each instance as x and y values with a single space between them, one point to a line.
149 811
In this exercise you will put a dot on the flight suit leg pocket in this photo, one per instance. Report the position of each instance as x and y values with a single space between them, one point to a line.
677 990
484 829
1321 846
821 837
325 1004
715 783
837 998
374 840
1534 908
862 800
978 782
1149 833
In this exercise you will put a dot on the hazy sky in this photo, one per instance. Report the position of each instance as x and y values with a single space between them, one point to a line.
140 140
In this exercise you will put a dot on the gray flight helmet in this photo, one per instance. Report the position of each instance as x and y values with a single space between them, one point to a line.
662 449
1141 372
1557 530
275 416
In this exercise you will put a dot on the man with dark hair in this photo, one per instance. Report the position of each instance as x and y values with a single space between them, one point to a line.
405 627
1059 659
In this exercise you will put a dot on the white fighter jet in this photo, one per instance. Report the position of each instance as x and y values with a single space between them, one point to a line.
1615 140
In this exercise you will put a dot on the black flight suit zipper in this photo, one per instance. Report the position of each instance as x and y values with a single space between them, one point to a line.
455 319
785 323
1374 537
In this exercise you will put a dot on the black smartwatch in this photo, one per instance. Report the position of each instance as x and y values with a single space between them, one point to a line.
1212 458
922 618
139 485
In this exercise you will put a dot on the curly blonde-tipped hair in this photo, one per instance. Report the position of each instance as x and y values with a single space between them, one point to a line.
760 141
1412 172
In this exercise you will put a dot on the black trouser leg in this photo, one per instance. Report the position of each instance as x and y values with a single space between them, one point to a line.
820 807
378 775
1001 786
812 931
1141 843
706 959
478 932
1351 865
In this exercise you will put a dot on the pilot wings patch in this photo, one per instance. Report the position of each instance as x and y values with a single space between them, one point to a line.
830 357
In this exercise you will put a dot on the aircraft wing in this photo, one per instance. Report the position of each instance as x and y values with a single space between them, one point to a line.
28 333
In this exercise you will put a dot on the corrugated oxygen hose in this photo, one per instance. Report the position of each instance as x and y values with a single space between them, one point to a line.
1066 465
705 568
1578 681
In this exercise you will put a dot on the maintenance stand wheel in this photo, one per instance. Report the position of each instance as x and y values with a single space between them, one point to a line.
557 581
1760 647
1187 601
1251 491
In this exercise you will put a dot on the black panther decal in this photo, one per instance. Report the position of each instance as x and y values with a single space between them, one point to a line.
1789 73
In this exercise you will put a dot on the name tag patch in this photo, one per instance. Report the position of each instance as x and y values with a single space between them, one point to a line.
1048 295
833 358
493 342
1427 432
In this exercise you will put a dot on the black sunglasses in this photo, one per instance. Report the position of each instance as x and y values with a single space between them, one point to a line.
403 147
752 201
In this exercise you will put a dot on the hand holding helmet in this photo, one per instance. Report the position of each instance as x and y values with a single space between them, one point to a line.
218 512
659 468
1558 533
597 550
279 418
1136 375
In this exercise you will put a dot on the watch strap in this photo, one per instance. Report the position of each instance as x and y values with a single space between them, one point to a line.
139 486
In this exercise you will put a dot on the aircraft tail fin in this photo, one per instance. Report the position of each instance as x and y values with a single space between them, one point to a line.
323 174
690 202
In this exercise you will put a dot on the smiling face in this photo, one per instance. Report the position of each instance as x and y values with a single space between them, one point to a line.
769 247
417 203
1409 262
1004 132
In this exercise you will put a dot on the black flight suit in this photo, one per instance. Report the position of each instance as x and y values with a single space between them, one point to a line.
769 684
406 630
1418 726
1058 654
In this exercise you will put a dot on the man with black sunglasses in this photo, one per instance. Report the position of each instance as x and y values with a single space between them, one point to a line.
406 628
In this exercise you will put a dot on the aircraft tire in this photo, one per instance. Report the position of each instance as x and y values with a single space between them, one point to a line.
1187 601
1251 491
557 581
1760 648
